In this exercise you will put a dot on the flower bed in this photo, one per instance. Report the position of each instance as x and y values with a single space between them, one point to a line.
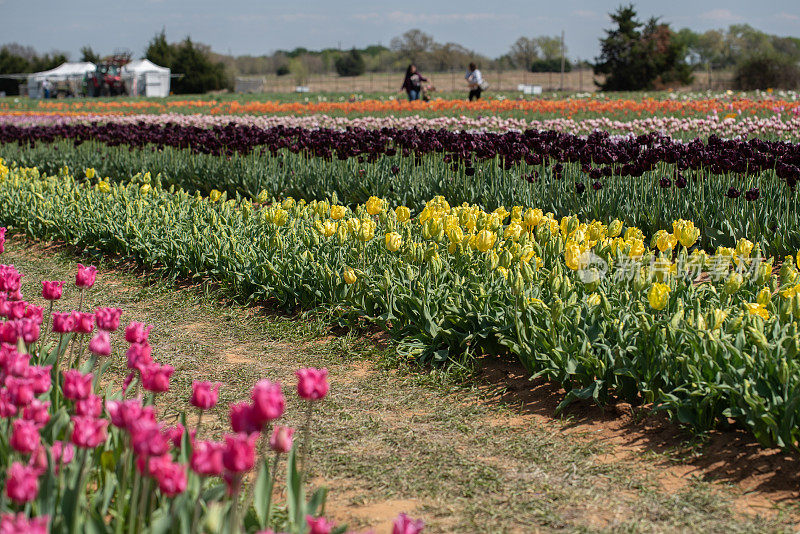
88 452
600 308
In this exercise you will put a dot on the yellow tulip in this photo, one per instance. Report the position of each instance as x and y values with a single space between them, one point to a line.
455 235
764 296
755 308
593 300
658 296
666 242
744 248
513 230
329 228
367 230
350 276
374 205
615 228
90 172
214 195
485 240
572 255
393 241
280 216
337 212
288 203
533 216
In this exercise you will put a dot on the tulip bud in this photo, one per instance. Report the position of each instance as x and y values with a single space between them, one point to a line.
732 284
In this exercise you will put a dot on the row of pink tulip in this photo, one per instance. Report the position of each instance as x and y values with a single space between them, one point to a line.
63 432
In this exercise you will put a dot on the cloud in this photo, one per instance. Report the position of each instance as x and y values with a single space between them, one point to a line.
720 15
404 17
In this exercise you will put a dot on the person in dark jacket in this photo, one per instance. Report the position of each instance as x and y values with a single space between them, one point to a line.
412 84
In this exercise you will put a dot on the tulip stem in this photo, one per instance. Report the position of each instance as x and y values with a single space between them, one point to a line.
304 446
274 476
79 490
137 482
48 321
199 422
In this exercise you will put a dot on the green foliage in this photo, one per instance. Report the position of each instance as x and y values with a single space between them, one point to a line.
767 71
773 221
636 56
199 74
87 54
550 65
702 358
16 59
350 64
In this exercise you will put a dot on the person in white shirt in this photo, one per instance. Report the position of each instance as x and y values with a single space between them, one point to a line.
475 82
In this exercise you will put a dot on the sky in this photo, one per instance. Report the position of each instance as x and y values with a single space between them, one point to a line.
259 27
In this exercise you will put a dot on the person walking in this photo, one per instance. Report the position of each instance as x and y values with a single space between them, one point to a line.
475 82
412 84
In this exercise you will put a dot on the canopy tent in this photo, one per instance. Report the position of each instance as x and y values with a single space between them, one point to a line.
145 78
73 73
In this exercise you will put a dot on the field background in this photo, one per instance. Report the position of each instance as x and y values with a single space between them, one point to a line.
579 80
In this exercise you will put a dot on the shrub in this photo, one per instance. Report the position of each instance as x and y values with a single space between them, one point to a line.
350 64
765 71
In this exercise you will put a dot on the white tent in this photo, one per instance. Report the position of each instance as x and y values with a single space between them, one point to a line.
66 72
145 78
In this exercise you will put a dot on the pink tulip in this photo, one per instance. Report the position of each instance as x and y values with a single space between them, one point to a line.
139 355
207 458
175 434
281 439
88 432
85 276
39 377
155 377
16 309
84 322
242 420
405 525
108 318
35 313
24 436
268 401
319 525
62 453
7 408
63 323
148 438
91 406
8 333
77 385
137 332
312 384
22 483
2 239
100 344
19 524
37 412
16 364
27 329
171 478
52 290
125 413
20 390
239 454
204 394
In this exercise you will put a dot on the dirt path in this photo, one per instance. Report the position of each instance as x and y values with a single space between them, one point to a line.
489 458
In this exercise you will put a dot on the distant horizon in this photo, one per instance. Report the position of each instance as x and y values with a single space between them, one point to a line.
258 28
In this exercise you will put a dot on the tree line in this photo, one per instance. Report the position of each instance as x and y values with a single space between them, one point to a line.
634 55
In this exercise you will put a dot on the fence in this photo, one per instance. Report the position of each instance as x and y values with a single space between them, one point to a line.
578 80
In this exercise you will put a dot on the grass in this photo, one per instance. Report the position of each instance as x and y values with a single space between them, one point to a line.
391 438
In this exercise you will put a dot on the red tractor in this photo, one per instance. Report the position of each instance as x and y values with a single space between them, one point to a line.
107 79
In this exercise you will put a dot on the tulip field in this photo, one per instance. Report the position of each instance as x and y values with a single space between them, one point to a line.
652 260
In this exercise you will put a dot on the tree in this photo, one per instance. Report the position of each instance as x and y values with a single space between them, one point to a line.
549 47
192 61
636 56
412 45
299 70
350 64
87 54
524 52
760 71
